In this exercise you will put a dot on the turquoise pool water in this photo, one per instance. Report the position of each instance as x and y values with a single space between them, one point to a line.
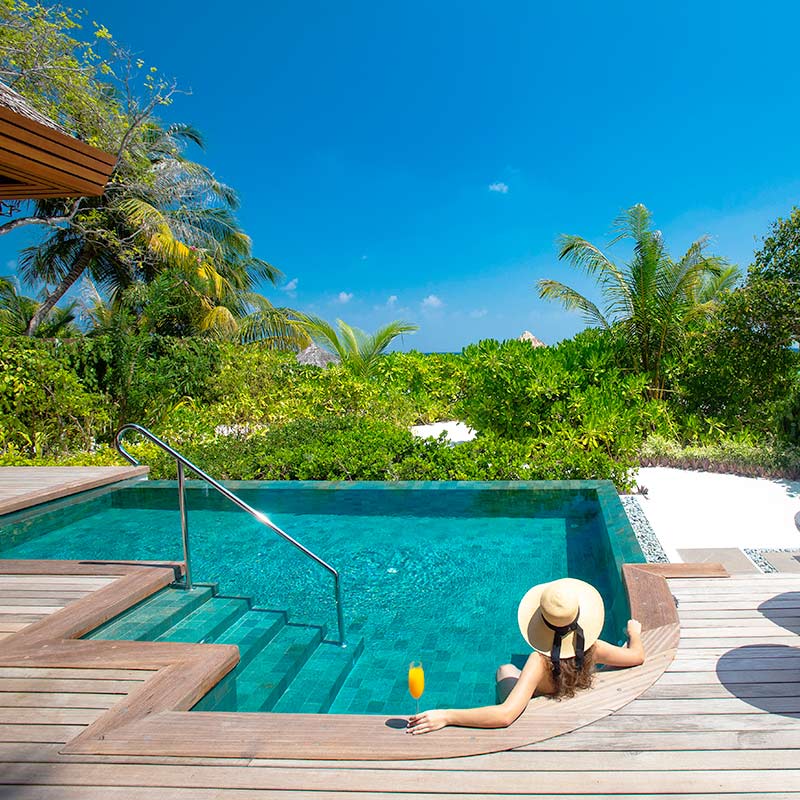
430 571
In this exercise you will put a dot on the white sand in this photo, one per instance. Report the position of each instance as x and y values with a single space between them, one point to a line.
689 509
456 431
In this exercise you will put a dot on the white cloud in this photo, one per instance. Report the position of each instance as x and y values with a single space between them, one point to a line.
391 300
291 287
499 186
344 297
432 301
478 313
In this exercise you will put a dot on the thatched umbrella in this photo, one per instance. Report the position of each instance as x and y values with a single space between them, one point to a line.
39 159
527 336
316 356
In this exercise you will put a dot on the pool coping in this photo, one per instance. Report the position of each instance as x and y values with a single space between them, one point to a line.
155 719
17 495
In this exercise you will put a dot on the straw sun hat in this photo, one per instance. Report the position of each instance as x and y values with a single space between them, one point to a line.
553 617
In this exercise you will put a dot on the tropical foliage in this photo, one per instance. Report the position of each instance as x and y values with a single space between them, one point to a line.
358 351
650 300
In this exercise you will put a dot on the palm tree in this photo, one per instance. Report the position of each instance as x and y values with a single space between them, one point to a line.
649 301
359 351
160 211
175 303
16 311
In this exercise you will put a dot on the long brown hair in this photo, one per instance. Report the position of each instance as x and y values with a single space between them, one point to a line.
570 678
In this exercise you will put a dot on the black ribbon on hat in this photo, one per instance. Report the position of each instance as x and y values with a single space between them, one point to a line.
560 632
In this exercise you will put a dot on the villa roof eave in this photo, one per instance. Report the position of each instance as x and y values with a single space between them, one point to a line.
39 160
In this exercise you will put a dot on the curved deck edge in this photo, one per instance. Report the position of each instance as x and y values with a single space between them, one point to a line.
155 720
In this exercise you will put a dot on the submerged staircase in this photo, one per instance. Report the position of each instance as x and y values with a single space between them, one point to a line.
284 666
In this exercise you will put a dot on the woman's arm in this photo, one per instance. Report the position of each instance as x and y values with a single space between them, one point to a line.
499 716
630 656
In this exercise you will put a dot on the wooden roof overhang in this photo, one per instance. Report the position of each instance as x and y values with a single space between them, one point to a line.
37 160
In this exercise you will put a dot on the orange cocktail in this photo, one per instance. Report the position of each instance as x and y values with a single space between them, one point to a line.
416 681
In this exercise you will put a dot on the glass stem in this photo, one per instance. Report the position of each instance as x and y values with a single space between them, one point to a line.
418 706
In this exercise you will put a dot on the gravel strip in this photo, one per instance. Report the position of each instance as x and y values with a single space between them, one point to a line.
758 556
648 541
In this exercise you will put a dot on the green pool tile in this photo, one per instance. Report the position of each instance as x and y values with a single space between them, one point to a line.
207 622
152 617
265 679
318 683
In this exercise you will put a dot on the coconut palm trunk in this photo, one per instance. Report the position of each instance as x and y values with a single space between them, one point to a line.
75 272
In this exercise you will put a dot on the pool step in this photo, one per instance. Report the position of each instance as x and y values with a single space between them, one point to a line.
252 632
315 687
208 621
265 679
152 617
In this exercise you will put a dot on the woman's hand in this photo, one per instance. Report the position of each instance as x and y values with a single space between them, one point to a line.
634 628
427 721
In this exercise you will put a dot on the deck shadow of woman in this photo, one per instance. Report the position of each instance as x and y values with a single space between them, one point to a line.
767 676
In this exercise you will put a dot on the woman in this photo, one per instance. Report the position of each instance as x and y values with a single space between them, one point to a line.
561 621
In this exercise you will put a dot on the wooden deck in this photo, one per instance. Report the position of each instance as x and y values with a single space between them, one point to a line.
721 720
21 487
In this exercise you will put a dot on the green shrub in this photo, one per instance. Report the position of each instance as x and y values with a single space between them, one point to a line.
45 409
360 448
433 383
742 454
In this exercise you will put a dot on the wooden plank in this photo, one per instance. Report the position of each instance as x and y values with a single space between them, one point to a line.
13 627
45 752
66 686
687 570
586 782
729 624
49 716
23 596
34 732
649 597
32 568
26 607
54 137
56 482
740 741
111 599
86 673
725 677
690 643
728 705
23 617
681 722
731 615
57 699
719 689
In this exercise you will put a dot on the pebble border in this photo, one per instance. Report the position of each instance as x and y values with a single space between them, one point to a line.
648 541
759 556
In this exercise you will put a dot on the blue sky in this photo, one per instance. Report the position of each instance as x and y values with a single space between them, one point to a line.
419 160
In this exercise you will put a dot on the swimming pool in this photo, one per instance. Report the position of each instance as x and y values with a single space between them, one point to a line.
430 571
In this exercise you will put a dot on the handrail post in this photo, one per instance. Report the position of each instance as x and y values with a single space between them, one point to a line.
339 611
180 461
184 524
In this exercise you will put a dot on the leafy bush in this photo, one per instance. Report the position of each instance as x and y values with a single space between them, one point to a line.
573 392
44 407
739 368
360 448
433 383
740 455
261 387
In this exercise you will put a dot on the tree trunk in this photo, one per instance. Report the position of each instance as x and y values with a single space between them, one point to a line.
81 262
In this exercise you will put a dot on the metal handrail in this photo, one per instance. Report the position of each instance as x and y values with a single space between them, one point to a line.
182 461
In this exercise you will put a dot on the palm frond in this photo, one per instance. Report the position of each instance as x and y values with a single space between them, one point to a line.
572 300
